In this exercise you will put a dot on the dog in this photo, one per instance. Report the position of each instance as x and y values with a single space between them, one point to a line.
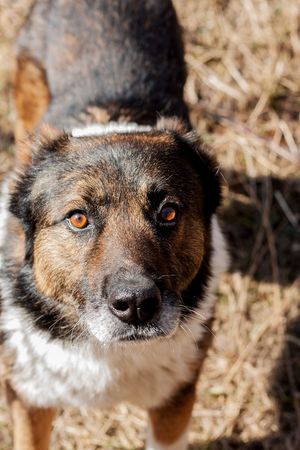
111 248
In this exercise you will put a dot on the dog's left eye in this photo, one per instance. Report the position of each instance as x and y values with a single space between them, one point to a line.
78 220
168 214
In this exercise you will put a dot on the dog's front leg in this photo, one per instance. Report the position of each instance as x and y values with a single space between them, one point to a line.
31 426
168 425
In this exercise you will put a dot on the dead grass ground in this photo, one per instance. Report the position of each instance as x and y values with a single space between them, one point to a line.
244 95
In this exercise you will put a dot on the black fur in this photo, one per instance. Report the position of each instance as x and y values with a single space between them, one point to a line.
42 311
125 56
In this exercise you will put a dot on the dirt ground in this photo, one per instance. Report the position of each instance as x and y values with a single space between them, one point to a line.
243 91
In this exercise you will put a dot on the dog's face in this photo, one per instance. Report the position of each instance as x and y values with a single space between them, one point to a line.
117 230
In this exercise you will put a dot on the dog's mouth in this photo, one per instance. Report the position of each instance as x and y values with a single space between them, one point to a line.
107 328
143 334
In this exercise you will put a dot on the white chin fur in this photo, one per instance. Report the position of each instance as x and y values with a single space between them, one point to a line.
108 329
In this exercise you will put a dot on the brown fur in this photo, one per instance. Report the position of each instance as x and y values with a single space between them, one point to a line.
59 260
170 421
16 245
32 426
32 95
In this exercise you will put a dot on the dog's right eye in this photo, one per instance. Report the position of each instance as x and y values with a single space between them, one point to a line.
78 220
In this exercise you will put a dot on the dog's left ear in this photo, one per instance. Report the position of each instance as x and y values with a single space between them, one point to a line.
202 160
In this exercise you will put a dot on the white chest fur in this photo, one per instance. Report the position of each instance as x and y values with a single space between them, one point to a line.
50 373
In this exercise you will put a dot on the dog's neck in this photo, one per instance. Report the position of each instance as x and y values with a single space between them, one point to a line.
104 116
98 129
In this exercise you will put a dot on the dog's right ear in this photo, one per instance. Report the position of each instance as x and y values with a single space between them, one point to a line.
28 151
29 146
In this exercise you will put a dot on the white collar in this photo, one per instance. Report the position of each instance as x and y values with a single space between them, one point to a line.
109 128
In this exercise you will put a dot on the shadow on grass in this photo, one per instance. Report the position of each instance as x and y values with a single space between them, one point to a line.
261 219
285 388
255 210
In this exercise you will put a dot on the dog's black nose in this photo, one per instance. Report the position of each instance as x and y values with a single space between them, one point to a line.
135 304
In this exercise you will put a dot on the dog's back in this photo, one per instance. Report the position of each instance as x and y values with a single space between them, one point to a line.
121 55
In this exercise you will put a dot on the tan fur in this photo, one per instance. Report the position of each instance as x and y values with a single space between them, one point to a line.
32 95
27 142
16 242
57 274
171 124
98 115
32 426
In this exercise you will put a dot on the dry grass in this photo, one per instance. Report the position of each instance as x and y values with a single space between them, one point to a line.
244 95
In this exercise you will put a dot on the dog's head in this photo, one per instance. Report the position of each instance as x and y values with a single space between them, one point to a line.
117 232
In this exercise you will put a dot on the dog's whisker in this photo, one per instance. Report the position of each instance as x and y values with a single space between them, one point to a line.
193 312
171 275
204 325
183 328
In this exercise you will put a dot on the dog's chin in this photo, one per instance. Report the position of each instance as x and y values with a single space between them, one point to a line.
132 334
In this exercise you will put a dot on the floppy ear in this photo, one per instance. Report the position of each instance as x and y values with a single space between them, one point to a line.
202 160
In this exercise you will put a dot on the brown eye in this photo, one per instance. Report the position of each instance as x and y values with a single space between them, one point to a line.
168 214
78 220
